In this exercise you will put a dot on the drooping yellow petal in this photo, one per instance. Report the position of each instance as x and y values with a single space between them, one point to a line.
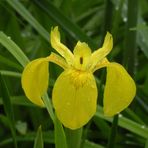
119 90
82 54
102 52
74 98
35 80
59 47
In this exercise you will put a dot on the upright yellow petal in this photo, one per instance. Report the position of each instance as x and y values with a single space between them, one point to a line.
74 98
59 47
35 80
119 90
102 52
82 54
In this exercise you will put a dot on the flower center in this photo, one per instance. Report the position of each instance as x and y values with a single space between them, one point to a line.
78 78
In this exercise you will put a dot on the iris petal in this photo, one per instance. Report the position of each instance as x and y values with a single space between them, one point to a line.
82 48
35 80
82 54
119 90
102 52
75 98
59 47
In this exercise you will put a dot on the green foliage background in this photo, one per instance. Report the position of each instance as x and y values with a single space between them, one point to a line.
28 24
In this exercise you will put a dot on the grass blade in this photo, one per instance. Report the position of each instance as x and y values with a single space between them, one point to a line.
38 143
74 137
130 50
146 144
89 144
60 138
10 73
113 133
48 105
8 108
126 123
13 49
26 14
19 100
10 63
72 29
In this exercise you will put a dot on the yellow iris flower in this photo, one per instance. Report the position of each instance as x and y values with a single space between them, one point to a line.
74 94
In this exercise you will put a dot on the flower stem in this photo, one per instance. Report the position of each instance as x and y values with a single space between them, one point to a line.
74 138
113 132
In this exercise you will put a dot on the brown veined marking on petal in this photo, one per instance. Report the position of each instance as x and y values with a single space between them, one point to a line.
81 60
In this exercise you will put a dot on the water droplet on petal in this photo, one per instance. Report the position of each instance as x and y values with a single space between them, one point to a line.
68 103
89 100
92 86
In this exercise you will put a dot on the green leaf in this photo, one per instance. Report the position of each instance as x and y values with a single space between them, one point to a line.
39 139
29 137
27 15
74 137
72 29
13 49
142 40
8 107
10 63
4 120
130 46
126 123
10 73
102 125
60 138
6 99
48 105
134 116
19 100
89 144
146 144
